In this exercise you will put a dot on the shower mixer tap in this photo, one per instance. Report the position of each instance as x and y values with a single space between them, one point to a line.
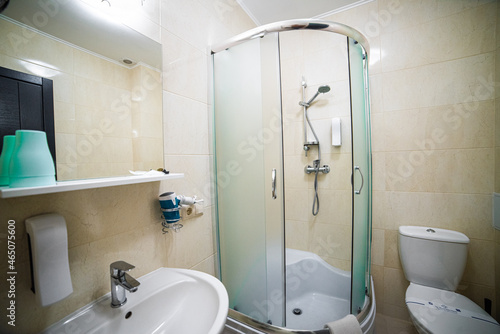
315 167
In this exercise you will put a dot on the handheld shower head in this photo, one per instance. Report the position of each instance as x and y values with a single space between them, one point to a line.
324 89
321 90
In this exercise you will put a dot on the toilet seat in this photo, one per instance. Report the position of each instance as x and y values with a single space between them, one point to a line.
441 312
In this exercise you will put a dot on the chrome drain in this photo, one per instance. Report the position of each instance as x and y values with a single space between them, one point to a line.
297 311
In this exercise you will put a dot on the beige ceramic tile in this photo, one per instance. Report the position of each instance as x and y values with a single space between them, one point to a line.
297 204
478 293
480 260
378 247
391 251
395 286
469 214
458 171
446 83
378 282
331 241
196 231
184 68
335 207
297 235
185 125
461 35
196 179
26 44
206 266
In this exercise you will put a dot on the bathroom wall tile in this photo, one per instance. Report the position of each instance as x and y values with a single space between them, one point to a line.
376 96
185 125
335 207
443 127
297 235
172 19
295 177
146 20
460 125
461 171
145 149
339 177
64 87
184 68
296 204
147 125
292 111
393 16
478 293
22 43
378 283
466 213
378 247
212 22
332 241
473 28
91 67
64 117
288 44
480 260
292 71
229 15
457 81
391 251
196 234
379 210
379 136
335 71
378 171
196 179
395 286
293 139
339 264
206 266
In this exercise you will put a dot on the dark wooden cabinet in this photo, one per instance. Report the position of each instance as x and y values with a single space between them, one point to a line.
27 103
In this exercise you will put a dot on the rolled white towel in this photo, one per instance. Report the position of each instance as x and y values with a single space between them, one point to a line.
347 325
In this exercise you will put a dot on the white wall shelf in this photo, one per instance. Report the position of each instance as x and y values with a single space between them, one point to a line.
63 186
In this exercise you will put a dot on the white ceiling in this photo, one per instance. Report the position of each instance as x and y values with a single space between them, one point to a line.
268 11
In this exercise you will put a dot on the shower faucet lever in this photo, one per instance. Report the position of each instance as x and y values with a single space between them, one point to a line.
312 169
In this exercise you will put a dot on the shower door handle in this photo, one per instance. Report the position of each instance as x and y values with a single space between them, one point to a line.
357 192
273 183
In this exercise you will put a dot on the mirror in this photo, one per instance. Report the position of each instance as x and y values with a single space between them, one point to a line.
106 76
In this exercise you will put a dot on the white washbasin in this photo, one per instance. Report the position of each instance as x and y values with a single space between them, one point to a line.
173 301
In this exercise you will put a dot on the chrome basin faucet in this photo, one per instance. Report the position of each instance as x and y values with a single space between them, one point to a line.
121 282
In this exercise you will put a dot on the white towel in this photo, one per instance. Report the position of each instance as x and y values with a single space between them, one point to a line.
347 325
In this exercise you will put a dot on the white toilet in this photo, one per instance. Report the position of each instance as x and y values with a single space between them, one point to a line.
433 261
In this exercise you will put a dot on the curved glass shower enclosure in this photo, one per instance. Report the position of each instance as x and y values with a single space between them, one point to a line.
291 130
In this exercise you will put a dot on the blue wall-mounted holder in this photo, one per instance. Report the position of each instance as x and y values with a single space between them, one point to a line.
170 209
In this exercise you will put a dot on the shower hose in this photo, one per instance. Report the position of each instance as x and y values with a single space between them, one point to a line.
315 207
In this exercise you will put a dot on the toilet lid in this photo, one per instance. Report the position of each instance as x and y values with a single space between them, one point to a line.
441 311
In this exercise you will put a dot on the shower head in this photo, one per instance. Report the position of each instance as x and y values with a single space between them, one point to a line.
321 90
324 89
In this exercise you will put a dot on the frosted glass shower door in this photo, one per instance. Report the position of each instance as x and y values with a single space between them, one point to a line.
249 169
361 177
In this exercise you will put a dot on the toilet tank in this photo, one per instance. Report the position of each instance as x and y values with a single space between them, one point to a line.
432 256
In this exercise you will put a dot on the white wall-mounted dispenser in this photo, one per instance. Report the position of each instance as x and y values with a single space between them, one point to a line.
48 242
336 131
